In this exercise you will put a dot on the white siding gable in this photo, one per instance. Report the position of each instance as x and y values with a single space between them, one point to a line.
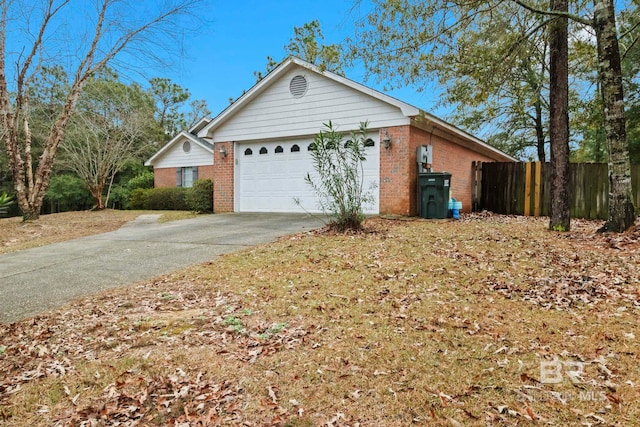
176 157
275 113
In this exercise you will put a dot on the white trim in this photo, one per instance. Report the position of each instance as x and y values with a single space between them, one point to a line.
197 126
176 139
236 178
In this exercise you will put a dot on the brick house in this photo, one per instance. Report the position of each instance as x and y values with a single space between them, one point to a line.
261 142
183 159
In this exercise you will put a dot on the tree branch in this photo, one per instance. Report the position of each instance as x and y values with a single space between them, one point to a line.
555 13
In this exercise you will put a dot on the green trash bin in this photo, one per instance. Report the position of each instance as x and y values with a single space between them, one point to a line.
433 194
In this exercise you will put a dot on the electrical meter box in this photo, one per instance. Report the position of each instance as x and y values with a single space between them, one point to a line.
424 158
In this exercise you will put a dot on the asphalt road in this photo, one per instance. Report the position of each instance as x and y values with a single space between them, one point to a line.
37 280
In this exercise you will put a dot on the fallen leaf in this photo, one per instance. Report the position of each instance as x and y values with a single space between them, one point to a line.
272 394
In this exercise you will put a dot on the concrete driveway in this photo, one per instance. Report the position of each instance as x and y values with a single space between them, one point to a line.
37 280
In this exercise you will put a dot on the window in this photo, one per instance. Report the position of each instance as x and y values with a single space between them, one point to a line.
263 150
186 176
186 146
248 152
311 146
279 149
295 148
369 143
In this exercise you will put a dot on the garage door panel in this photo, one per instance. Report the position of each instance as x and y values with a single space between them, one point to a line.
270 182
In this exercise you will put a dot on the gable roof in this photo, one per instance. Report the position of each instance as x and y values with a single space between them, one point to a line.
207 145
291 62
417 115
197 126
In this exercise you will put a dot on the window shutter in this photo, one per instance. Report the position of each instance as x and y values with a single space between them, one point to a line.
195 174
179 177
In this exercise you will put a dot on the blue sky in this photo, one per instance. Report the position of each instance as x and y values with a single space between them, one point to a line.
219 62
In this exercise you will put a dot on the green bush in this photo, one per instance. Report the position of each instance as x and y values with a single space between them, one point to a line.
6 200
67 193
167 198
160 199
119 197
199 198
142 180
5 203
138 199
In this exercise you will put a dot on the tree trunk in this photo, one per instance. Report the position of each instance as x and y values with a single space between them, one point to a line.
560 212
621 210
96 193
540 132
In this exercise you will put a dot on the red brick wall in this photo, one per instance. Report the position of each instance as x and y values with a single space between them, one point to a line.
399 173
452 158
395 175
205 172
166 177
223 178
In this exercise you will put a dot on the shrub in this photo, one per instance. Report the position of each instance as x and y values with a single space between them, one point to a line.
167 198
119 197
199 198
5 203
142 180
6 200
339 179
162 199
138 199
67 193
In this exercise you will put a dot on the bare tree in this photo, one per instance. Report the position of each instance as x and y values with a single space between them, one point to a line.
117 28
108 129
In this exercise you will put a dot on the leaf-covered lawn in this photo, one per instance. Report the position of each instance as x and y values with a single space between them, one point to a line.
415 321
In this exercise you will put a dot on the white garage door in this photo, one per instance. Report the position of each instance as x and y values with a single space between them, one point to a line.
270 176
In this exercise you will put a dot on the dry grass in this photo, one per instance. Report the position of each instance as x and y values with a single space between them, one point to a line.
415 322
17 235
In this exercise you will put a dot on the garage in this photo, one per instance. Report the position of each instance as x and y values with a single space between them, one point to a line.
270 175
260 144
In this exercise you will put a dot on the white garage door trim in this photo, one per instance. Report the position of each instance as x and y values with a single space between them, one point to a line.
270 181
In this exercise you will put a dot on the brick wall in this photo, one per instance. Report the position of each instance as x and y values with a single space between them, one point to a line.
455 159
223 178
399 172
395 175
166 177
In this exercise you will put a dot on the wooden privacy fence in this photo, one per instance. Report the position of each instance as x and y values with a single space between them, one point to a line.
523 188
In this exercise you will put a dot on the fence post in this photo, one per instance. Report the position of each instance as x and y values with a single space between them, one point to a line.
476 185
537 207
527 189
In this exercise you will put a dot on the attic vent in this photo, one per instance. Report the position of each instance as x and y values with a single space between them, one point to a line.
298 86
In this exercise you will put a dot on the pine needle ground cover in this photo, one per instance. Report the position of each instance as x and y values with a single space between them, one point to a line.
488 320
